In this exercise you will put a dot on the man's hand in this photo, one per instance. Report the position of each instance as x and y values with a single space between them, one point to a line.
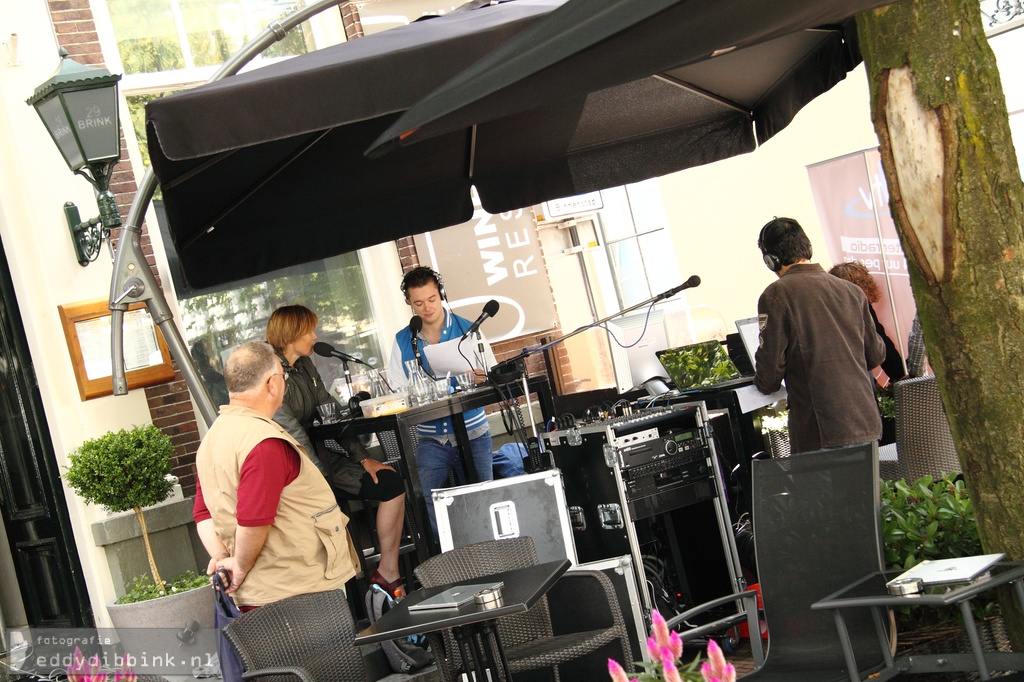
372 466
231 566
212 566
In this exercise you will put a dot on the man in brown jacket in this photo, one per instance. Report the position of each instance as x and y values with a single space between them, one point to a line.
816 334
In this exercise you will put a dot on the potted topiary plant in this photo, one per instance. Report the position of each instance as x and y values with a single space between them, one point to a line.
130 470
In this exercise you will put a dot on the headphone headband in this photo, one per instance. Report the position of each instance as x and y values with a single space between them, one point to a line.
421 270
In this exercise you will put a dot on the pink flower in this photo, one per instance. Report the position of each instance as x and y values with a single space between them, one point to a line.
659 630
671 673
675 643
715 669
616 672
653 649
125 675
82 670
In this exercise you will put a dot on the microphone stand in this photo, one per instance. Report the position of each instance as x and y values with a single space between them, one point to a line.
510 370
481 356
348 376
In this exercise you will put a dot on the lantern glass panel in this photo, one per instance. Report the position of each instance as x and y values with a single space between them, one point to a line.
94 116
60 130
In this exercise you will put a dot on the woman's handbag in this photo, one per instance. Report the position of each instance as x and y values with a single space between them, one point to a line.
224 612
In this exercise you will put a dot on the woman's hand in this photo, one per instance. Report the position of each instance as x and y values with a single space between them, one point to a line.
372 466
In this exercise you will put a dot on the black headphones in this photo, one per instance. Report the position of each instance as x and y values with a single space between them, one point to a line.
770 259
418 272
353 402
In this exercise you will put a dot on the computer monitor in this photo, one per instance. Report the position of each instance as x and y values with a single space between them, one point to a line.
636 364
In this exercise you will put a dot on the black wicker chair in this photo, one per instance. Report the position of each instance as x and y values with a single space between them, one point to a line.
817 528
924 443
308 637
528 639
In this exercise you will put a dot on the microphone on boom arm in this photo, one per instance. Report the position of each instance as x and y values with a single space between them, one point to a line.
490 310
694 281
326 350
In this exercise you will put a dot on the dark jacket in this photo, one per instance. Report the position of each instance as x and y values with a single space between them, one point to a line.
305 390
818 334
893 363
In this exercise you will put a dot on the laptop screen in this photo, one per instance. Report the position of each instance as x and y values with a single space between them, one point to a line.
750 334
697 365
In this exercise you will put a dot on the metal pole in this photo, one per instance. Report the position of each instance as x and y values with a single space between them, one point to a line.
133 280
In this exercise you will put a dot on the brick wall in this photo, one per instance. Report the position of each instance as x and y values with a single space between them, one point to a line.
169 404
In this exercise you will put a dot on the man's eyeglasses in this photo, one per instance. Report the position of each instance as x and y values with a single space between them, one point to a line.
279 374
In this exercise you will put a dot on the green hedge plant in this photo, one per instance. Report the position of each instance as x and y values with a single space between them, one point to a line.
122 470
931 518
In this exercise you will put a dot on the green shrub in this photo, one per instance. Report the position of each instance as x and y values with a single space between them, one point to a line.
929 519
144 588
122 470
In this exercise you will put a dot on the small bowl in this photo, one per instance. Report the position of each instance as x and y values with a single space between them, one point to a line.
391 403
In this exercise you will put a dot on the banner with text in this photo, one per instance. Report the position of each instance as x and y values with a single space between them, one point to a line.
853 205
493 257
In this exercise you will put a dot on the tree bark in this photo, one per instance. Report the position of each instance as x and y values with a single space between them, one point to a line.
956 198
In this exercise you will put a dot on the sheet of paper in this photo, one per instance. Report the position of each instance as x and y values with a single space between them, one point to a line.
751 399
445 357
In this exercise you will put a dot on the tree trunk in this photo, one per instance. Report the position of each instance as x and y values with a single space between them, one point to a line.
956 198
149 553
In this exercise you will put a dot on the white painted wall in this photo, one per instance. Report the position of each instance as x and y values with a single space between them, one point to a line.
717 211
34 184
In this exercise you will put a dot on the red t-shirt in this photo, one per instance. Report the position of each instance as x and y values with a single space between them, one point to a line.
270 466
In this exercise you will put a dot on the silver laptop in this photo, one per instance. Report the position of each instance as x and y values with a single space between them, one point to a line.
750 334
454 597
949 571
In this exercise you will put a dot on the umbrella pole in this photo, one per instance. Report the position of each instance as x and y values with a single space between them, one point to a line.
133 281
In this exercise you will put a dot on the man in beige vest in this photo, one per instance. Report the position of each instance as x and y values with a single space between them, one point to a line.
263 510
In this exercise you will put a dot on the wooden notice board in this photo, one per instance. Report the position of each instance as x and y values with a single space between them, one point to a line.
87 330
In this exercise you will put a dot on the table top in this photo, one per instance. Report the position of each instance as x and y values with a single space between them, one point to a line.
871 590
523 587
456 403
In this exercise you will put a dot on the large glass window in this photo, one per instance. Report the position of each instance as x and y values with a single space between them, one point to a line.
606 261
333 288
168 45
169 35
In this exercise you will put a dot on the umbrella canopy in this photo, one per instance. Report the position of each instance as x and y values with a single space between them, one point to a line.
265 170
696 75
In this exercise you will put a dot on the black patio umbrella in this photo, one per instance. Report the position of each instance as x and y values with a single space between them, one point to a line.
266 169
666 84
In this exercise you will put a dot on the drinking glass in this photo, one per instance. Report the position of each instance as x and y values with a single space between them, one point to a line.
328 413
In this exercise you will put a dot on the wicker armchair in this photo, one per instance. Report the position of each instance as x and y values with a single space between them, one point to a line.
307 637
528 638
923 441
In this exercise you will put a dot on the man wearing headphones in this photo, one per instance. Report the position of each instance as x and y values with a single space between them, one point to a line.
816 334
437 453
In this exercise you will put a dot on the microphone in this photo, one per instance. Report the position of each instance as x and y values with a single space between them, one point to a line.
326 350
490 310
694 281
415 327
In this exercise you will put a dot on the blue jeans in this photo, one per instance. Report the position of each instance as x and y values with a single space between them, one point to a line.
435 461
508 460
